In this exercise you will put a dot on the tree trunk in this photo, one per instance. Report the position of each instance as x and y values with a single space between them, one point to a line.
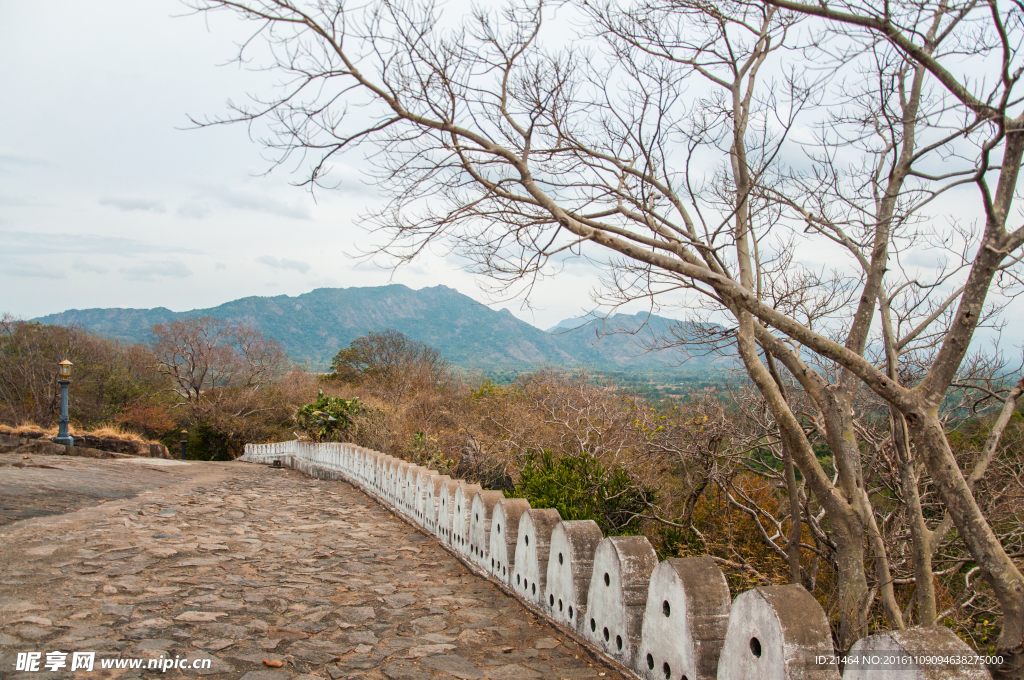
853 590
921 536
793 547
842 440
996 566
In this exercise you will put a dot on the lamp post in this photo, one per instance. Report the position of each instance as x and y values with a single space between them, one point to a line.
64 380
184 443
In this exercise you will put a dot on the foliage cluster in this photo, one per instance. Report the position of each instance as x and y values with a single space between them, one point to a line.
224 384
579 487
593 449
327 419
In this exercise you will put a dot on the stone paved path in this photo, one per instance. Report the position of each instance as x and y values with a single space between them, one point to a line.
243 564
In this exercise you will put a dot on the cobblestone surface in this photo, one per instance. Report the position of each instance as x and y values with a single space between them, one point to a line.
245 565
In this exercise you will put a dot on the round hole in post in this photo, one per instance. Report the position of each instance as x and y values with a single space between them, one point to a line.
551 600
755 647
518 579
650 661
665 608
527 540
560 558
499 528
593 625
606 635
492 563
533 588
476 517
618 642
667 670
607 579
559 605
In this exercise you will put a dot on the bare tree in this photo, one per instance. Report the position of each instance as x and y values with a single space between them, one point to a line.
111 379
391 366
209 360
666 152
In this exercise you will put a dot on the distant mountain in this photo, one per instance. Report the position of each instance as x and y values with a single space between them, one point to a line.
625 340
312 328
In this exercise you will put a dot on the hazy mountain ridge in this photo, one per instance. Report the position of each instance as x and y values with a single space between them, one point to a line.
313 326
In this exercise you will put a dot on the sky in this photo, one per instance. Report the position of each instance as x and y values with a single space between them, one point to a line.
110 198
107 199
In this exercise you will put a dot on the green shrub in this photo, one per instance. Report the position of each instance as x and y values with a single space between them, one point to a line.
327 418
206 442
579 487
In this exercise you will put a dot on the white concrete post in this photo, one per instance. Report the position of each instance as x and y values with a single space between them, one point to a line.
399 493
570 565
432 502
909 645
460 519
385 475
357 471
617 597
685 621
776 633
368 456
378 472
409 498
533 544
367 466
481 514
504 536
392 480
422 484
446 510
371 471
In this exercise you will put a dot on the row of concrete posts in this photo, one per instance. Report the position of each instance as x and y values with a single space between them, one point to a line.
673 620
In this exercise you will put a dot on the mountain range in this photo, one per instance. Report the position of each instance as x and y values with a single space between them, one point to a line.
312 327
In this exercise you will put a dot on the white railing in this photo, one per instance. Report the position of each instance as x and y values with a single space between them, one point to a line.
670 620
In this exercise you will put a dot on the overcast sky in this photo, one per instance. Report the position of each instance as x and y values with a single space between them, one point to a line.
107 201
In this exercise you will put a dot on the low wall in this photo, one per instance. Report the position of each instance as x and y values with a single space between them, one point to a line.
673 620
38 442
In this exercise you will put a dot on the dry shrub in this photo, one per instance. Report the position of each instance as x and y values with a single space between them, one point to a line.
104 432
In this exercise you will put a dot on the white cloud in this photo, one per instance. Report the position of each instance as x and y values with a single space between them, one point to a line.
193 210
53 270
244 200
35 243
86 266
154 269
284 263
132 204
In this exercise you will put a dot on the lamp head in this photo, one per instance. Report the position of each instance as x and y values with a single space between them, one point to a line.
65 369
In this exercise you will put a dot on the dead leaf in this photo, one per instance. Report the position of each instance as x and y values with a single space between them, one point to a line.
273 663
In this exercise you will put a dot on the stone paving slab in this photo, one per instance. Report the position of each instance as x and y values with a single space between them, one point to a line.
244 564
36 486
